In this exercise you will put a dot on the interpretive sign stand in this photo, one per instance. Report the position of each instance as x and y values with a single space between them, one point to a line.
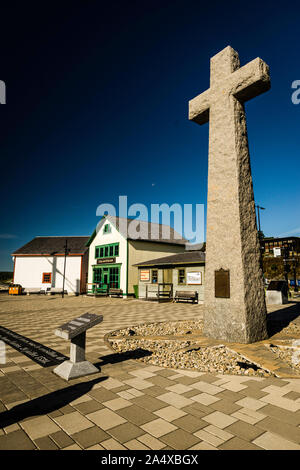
75 330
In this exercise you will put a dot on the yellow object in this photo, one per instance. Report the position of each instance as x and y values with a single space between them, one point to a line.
15 289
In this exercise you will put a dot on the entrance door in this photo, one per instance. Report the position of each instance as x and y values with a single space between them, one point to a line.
167 276
114 277
105 279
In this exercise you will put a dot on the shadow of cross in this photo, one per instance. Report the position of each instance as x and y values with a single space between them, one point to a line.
232 243
47 403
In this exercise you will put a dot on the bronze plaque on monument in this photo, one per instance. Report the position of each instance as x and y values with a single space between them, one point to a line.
222 284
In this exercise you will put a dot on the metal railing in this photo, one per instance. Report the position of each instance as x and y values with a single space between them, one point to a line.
163 291
97 288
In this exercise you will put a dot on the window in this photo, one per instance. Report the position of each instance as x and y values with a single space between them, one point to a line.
107 228
114 278
154 276
107 251
46 278
181 276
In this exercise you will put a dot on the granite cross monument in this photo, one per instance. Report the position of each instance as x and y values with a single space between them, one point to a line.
234 298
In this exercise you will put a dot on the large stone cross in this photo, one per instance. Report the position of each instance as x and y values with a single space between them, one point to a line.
234 299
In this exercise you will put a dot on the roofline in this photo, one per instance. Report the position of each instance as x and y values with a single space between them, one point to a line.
61 236
157 241
182 241
47 254
279 238
181 263
95 232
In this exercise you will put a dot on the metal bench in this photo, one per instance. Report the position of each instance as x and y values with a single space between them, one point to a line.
113 292
187 295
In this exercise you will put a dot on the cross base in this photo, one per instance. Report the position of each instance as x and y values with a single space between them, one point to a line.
71 370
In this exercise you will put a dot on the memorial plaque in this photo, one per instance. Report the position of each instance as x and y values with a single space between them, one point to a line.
222 284
78 325
39 353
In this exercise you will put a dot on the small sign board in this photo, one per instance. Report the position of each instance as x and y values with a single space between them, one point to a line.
277 252
145 275
106 260
222 284
194 277
78 325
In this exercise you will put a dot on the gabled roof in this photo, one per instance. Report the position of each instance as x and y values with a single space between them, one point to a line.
188 257
139 230
53 245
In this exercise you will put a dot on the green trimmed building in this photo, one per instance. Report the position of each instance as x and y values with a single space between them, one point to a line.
118 244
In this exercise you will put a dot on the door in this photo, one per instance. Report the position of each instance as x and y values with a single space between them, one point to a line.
167 276
114 277
96 279
105 279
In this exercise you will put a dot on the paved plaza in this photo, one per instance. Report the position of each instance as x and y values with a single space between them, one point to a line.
128 404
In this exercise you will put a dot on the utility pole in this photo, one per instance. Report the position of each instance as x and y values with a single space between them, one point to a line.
260 237
66 253
258 218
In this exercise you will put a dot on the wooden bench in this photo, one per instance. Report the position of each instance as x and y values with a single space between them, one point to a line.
115 292
33 290
186 295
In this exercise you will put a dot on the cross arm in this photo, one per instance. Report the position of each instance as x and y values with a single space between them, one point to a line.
199 108
251 80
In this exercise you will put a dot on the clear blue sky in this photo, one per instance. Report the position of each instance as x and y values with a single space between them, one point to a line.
97 102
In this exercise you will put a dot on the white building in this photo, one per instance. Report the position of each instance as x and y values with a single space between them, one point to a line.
41 264
118 244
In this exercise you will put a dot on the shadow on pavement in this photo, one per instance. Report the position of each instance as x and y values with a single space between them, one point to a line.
281 318
124 356
47 403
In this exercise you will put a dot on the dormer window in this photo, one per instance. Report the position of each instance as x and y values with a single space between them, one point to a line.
107 228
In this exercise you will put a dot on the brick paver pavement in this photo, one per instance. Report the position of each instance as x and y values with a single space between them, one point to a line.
131 405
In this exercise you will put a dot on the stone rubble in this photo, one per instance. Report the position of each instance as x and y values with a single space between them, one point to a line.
287 353
182 354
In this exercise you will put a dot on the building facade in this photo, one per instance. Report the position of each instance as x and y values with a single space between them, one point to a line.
114 250
180 272
42 264
281 259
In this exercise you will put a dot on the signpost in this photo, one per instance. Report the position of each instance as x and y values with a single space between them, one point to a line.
106 260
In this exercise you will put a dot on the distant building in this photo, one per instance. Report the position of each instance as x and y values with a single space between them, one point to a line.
40 264
272 246
114 251
281 259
